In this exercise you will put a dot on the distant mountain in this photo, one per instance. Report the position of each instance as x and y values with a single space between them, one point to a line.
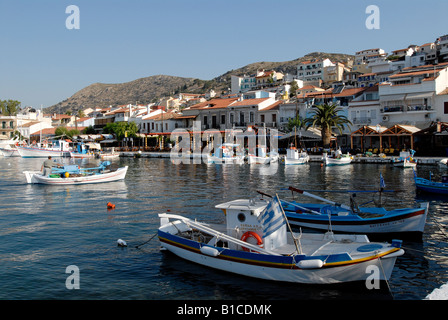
150 89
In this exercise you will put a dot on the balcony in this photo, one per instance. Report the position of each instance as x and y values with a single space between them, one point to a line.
390 109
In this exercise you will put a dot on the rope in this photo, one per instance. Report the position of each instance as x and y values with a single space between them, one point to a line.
146 241
384 274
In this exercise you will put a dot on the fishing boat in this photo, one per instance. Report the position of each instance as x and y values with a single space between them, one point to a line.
73 174
259 156
329 215
255 242
430 186
9 151
405 160
296 157
337 158
87 150
53 148
227 153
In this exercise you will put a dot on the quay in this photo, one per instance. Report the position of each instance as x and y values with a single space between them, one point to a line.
431 161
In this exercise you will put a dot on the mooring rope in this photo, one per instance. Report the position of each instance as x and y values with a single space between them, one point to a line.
146 241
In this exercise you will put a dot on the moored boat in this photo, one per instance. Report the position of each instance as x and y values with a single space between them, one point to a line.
405 160
337 159
254 242
430 186
296 157
73 174
227 153
53 148
336 217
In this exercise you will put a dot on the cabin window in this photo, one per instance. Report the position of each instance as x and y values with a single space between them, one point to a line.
241 217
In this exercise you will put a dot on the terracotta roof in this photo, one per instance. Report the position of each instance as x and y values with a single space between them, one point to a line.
214 104
273 106
249 102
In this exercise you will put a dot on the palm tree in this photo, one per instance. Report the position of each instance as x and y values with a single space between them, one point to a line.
326 117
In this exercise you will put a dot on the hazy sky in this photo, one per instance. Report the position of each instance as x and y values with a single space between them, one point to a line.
42 62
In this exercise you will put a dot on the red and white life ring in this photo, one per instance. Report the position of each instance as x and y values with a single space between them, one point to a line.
251 234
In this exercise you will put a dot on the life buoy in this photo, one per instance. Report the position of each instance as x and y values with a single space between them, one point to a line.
251 234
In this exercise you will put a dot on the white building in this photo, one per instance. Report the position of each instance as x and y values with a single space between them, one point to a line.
411 96
312 71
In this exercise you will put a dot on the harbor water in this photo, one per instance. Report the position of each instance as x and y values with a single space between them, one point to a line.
48 231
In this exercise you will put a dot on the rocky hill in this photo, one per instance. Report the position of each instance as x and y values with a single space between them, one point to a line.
150 89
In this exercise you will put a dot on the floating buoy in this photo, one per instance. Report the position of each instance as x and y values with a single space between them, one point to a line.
110 205
66 174
122 243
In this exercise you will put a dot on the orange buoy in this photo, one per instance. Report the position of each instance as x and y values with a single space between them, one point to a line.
110 205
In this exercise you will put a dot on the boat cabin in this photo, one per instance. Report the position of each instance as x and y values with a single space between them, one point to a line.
242 220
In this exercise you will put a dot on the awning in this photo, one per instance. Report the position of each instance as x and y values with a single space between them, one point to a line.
419 95
392 97
93 145
108 141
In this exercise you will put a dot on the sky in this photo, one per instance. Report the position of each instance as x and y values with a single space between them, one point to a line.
42 62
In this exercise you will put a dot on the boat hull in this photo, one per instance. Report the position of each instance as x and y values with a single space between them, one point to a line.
38 178
280 268
337 162
411 220
30 152
225 160
299 161
428 186
258 160
9 152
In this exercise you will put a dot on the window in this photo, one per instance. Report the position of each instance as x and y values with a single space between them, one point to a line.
445 108
223 119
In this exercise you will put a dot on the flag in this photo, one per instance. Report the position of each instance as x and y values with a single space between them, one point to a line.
271 218
382 183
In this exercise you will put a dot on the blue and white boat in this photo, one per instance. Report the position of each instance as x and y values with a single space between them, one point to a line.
430 186
254 241
73 175
227 153
337 217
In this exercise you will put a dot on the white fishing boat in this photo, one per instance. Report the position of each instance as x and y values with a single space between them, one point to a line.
53 148
254 242
337 158
405 160
9 151
227 153
296 157
258 156
73 174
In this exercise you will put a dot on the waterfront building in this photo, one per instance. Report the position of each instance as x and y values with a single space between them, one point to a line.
410 96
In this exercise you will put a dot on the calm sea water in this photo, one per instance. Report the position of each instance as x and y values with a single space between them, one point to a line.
44 229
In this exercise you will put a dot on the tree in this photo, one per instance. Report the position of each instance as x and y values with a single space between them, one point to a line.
293 89
326 117
63 132
298 122
9 107
121 129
